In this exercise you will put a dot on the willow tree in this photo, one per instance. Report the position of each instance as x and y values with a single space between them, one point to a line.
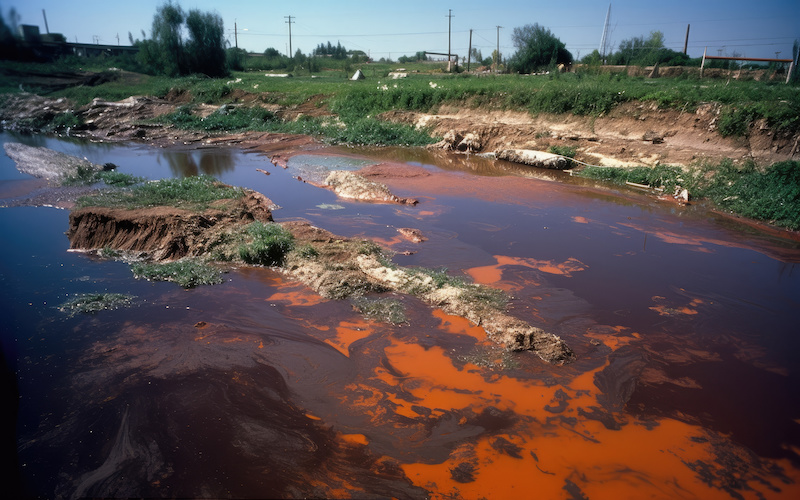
205 48
537 48
168 52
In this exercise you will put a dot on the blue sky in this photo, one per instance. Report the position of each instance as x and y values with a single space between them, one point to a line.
391 29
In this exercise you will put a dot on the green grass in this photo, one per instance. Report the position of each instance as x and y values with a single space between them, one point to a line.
191 193
358 103
771 194
87 176
356 130
188 273
268 246
89 303
387 310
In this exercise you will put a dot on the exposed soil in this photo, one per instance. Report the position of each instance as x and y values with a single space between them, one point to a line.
632 134
164 233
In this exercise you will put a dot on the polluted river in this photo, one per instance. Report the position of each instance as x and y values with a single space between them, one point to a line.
683 323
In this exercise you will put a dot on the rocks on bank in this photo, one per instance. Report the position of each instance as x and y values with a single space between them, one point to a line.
472 143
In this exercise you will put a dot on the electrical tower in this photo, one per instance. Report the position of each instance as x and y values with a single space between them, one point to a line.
603 40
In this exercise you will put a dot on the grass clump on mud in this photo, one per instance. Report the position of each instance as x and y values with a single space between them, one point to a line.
87 176
90 303
387 310
771 194
191 193
188 273
269 243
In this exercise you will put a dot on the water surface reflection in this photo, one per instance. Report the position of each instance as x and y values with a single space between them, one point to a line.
685 332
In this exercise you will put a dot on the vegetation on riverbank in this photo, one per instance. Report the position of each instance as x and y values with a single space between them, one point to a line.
771 194
336 109
188 273
90 303
191 193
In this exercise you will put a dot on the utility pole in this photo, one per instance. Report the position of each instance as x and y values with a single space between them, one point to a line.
235 34
497 58
289 22
449 23
469 54
686 43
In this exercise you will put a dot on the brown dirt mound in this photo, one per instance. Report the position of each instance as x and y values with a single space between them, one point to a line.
163 233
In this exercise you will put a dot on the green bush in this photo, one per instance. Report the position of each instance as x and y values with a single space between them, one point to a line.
268 246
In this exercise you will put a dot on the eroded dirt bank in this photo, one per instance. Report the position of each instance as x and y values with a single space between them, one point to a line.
634 133
164 233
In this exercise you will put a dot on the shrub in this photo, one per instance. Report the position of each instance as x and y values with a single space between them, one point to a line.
269 245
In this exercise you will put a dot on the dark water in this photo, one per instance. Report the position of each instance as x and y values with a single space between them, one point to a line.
684 323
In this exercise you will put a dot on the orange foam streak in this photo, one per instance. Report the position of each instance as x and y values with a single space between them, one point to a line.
618 467
348 332
612 336
459 325
494 273
303 297
632 462
354 439
388 242
580 220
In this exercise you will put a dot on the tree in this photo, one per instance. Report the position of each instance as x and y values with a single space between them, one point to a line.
8 44
236 58
205 48
537 48
592 58
476 55
166 52
640 51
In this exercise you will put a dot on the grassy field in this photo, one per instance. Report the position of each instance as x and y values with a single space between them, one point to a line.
428 86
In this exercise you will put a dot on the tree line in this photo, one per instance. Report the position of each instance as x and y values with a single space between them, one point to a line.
203 49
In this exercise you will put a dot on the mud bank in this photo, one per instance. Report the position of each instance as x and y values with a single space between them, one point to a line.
164 233
335 267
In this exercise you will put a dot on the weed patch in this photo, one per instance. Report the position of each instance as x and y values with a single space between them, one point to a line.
384 309
188 273
771 195
87 176
191 193
90 303
268 246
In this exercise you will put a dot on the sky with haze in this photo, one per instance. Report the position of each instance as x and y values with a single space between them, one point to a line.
392 29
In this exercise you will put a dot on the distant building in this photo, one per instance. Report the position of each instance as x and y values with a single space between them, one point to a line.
34 45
